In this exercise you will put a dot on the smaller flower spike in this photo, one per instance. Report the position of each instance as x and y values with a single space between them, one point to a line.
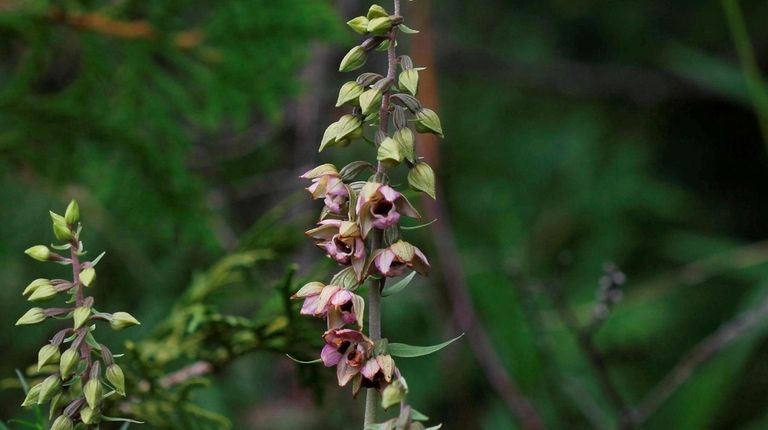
392 261
380 206
327 184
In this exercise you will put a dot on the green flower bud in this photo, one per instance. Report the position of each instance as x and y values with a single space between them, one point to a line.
358 24
55 406
389 152
379 25
376 11
48 354
427 121
32 396
49 388
329 137
89 415
370 101
33 316
394 393
37 283
39 252
63 422
72 215
348 126
409 79
354 59
422 178
406 139
68 362
121 320
349 92
43 292
93 391
116 377
80 316
60 229
87 275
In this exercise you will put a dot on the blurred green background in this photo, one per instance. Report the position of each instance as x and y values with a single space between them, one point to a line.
577 133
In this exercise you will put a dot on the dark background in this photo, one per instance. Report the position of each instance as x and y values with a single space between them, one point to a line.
577 133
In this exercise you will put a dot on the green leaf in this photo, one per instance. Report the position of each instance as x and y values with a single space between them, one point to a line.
302 361
418 416
416 227
409 351
399 286
122 420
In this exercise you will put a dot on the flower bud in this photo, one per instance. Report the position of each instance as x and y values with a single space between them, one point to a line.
88 415
389 152
427 121
379 25
33 316
394 393
376 11
55 405
63 422
409 79
37 283
80 316
329 137
349 93
32 396
406 139
370 101
354 59
92 390
348 127
87 275
68 362
60 229
39 252
121 320
49 388
44 292
72 215
116 377
358 24
422 178
48 354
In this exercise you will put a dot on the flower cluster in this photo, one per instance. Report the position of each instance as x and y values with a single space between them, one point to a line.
78 368
359 225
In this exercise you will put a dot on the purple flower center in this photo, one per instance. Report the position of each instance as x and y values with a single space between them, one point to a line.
382 208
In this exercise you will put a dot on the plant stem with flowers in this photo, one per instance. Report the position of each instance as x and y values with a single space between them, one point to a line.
359 226
74 387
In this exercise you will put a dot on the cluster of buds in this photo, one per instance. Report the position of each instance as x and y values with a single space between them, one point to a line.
359 225
80 371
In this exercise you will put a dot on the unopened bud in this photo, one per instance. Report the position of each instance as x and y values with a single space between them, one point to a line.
68 362
121 320
72 215
39 252
370 101
92 390
37 283
48 354
409 79
80 316
33 316
349 93
376 11
63 422
393 394
89 415
329 137
406 139
49 388
379 25
42 293
60 229
427 121
348 127
116 377
359 24
422 178
32 396
87 275
389 152
354 59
